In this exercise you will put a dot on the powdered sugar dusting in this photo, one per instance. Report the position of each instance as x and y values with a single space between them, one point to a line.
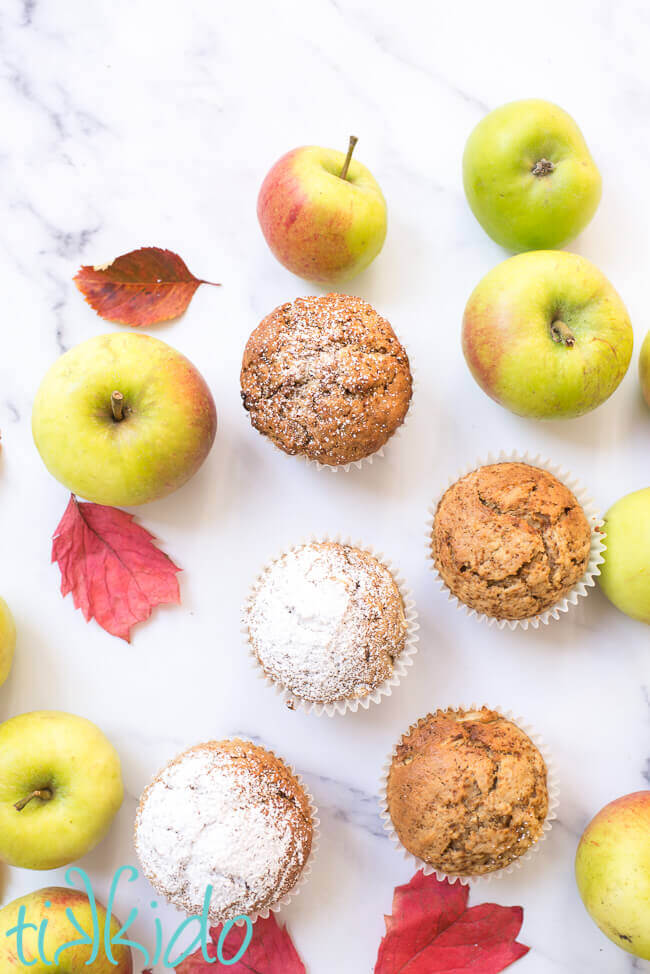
212 818
327 621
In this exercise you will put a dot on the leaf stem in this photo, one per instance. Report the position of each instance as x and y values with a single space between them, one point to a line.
348 158
45 794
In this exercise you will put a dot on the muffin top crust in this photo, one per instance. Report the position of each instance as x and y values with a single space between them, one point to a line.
326 622
467 791
326 377
227 814
510 540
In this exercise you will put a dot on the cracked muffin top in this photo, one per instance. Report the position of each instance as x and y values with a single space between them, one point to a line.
226 814
510 540
467 791
326 377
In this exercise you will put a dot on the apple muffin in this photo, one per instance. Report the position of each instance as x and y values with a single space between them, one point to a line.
226 814
326 377
510 540
326 622
467 791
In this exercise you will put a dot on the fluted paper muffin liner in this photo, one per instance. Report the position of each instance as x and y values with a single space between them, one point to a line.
552 785
579 590
401 663
315 840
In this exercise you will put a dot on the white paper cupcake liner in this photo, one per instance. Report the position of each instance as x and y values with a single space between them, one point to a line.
315 842
400 664
552 785
580 589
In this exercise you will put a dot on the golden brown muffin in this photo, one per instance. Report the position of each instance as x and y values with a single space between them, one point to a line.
510 540
467 791
227 814
326 622
326 377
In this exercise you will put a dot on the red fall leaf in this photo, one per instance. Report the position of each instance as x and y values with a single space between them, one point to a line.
140 288
432 931
271 951
112 567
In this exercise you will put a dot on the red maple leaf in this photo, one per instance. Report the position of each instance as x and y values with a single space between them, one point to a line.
110 564
432 931
271 951
142 287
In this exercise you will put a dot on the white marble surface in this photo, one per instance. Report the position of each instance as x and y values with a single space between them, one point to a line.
134 122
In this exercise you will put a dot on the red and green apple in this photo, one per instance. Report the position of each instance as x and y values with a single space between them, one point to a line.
322 214
123 418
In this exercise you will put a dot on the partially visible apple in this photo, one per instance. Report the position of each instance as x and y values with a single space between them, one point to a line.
51 903
529 176
644 368
546 335
625 575
7 640
322 214
123 419
613 872
60 789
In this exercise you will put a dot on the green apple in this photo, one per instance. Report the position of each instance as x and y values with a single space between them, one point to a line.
60 789
546 335
322 214
644 368
529 177
625 575
613 872
7 640
123 419
51 904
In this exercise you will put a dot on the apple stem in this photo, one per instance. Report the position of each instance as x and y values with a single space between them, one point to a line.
562 333
543 167
45 794
348 158
117 406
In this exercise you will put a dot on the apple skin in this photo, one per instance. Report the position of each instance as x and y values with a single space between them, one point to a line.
169 426
518 209
7 640
70 756
59 931
644 368
625 575
510 348
613 872
321 227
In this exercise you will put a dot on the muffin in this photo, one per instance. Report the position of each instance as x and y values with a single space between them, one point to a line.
467 791
326 377
227 814
510 540
326 622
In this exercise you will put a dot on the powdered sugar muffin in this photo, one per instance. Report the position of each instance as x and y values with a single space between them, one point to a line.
226 814
326 377
326 622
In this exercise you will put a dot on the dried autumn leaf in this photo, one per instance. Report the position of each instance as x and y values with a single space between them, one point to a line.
271 951
431 931
142 287
112 567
